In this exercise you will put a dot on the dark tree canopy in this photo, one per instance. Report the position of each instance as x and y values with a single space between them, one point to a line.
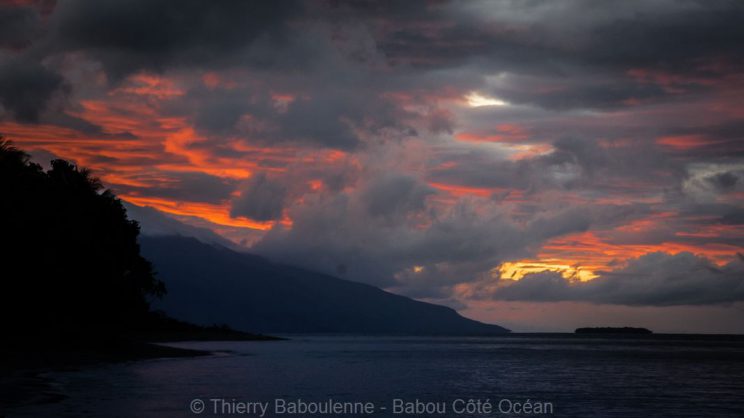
71 263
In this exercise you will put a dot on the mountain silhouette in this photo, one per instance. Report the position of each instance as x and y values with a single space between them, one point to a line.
212 284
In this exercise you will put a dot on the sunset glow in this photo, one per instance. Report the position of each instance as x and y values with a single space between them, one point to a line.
420 152
519 269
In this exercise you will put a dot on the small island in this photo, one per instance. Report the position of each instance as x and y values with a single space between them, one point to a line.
613 330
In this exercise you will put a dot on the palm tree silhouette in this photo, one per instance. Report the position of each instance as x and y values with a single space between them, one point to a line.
70 262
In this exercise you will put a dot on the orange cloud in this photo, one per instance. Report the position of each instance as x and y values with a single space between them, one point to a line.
458 190
137 144
595 253
505 132
150 85
217 214
683 142
517 270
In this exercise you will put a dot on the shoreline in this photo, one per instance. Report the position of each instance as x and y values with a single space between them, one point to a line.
24 381
25 366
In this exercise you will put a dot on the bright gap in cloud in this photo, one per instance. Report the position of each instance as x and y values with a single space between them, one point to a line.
476 99
517 270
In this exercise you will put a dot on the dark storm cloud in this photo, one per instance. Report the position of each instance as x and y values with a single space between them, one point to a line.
572 164
190 187
393 196
26 87
709 181
588 55
219 110
379 220
600 164
332 117
655 279
261 199
337 231
560 37
19 24
582 50
130 36
386 218
682 39
719 141
574 89
331 113
725 181
733 217
127 36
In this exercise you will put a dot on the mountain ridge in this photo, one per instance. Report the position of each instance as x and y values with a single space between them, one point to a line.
211 284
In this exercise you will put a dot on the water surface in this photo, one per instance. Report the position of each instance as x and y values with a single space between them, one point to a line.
578 376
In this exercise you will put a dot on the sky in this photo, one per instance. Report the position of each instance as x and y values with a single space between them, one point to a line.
542 165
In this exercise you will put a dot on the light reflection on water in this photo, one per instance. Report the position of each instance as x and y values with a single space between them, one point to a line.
580 376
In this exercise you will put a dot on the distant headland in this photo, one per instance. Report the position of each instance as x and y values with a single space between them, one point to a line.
612 330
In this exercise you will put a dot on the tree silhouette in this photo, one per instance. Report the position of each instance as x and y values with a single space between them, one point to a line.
70 261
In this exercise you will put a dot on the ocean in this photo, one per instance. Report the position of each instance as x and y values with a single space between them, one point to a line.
556 375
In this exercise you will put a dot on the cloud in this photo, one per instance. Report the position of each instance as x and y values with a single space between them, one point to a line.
155 223
733 217
261 199
393 196
338 234
153 35
26 88
19 24
618 129
581 164
396 218
500 37
654 279
706 181
190 187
